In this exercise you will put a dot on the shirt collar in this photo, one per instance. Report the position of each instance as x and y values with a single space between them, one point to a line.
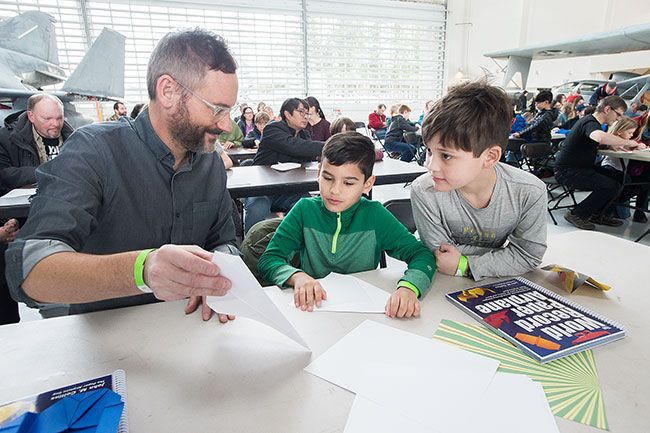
346 214
144 129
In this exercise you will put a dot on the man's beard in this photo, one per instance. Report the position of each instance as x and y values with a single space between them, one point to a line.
190 136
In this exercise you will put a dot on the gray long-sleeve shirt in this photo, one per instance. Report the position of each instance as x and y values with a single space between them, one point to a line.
506 238
112 189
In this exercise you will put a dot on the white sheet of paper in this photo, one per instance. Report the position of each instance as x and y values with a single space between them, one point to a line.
286 166
346 293
246 298
513 403
368 416
371 342
17 196
445 391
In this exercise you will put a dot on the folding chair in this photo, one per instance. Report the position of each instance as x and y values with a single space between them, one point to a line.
401 209
416 140
514 147
542 154
362 125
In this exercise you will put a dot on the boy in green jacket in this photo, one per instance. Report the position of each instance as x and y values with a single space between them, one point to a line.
343 232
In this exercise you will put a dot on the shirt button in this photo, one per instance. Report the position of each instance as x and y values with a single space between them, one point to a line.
178 214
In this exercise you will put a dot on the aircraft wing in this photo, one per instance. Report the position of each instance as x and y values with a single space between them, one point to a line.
634 38
9 80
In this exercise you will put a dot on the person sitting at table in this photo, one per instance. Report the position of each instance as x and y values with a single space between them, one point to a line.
575 164
481 218
538 130
35 137
345 124
341 231
232 138
246 123
638 172
261 120
318 126
130 212
282 141
394 141
377 121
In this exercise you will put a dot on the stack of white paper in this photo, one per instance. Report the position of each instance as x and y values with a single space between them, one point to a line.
346 293
402 379
17 196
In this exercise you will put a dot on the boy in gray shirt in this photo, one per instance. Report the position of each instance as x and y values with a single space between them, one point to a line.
480 218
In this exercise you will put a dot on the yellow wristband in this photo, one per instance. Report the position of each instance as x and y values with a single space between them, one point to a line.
138 271
408 285
461 271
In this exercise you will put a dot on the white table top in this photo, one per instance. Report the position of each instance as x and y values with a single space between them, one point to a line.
637 155
184 375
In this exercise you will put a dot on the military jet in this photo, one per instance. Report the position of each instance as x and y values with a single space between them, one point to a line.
29 61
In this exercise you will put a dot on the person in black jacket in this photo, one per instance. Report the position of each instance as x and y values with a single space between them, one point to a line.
34 138
607 89
539 129
283 141
394 141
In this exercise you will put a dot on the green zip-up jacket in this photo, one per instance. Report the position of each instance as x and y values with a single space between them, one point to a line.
345 242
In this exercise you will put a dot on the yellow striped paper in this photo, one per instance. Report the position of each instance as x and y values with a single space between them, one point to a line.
571 383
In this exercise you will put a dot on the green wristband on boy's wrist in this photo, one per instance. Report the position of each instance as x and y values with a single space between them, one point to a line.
408 285
461 271
138 271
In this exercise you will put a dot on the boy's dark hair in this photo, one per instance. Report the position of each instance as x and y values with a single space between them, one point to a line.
590 109
614 102
350 148
472 117
642 107
544 96
292 105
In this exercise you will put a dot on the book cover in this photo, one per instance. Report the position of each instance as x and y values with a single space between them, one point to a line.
38 403
543 324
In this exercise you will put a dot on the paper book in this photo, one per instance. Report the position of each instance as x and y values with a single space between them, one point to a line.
99 402
543 324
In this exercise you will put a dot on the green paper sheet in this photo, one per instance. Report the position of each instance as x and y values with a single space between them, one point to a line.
571 384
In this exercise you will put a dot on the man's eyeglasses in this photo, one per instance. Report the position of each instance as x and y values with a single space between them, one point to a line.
302 112
618 114
217 111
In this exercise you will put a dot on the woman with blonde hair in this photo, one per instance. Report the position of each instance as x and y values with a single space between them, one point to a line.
637 171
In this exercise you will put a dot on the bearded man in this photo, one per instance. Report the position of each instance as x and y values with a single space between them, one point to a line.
130 212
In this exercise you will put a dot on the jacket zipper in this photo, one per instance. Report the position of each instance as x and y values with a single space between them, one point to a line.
336 233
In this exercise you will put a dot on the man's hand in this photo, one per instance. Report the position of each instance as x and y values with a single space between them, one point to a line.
447 257
403 303
206 312
306 291
228 145
9 231
176 272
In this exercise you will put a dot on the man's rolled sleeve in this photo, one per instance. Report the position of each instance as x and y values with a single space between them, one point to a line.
21 257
